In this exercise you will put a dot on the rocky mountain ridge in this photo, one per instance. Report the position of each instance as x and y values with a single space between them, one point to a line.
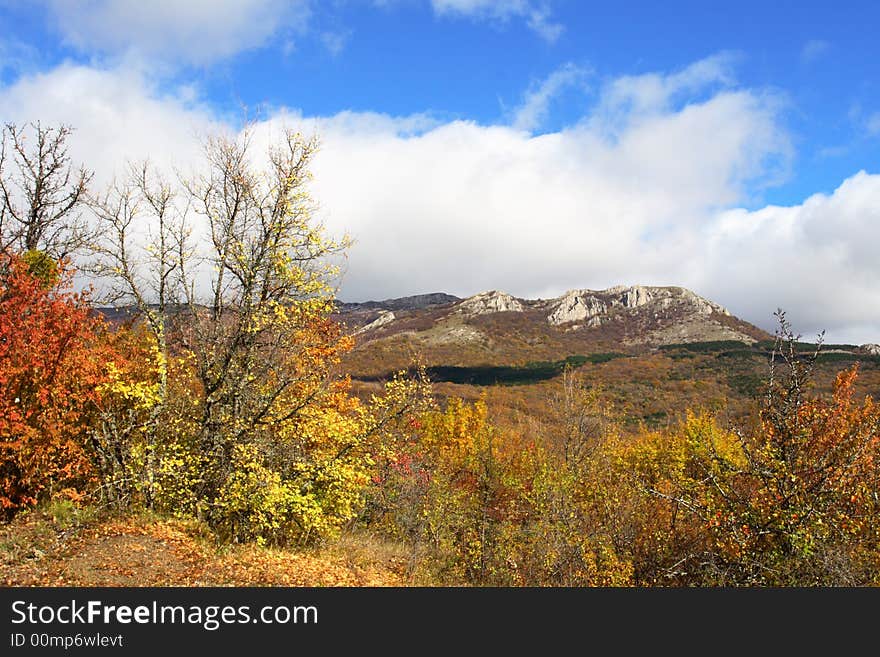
640 314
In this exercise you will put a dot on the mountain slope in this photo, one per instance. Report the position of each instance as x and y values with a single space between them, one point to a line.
496 327
652 351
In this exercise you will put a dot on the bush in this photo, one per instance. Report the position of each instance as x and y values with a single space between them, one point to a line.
51 368
789 502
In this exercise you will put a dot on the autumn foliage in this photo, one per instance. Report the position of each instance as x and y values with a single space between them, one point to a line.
789 501
223 400
51 365
573 499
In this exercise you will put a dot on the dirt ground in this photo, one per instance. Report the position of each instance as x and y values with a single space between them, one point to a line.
38 550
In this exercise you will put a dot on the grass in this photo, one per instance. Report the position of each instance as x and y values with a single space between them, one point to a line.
62 544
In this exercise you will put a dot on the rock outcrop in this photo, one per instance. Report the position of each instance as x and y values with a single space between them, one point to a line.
578 306
703 306
625 315
594 306
492 301
385 317
871 349
632 296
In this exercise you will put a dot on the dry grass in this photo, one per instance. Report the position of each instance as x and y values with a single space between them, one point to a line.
40 549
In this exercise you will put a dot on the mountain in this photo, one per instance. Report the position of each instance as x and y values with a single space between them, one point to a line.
496 323
634 315
653 351
415 302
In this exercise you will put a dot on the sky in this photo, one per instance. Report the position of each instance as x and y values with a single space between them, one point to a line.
532 146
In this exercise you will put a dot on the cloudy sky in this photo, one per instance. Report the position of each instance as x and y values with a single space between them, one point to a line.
527 145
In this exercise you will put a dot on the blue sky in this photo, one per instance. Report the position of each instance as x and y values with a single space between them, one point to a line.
404 57
647 130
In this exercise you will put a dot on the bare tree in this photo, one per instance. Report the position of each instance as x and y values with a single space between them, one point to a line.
582 420
143 231
249 304
41 192
269 294
143 234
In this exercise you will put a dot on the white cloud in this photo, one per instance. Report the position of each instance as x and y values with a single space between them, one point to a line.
633 97
813 50
537 15
818 260
539 20
117 114
867 123
335 42
203 31
16 56
465 207
194 31
462 207
532 112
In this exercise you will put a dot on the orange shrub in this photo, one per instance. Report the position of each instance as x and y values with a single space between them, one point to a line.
50 366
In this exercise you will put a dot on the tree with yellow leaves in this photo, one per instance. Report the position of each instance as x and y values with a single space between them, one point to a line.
248 424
